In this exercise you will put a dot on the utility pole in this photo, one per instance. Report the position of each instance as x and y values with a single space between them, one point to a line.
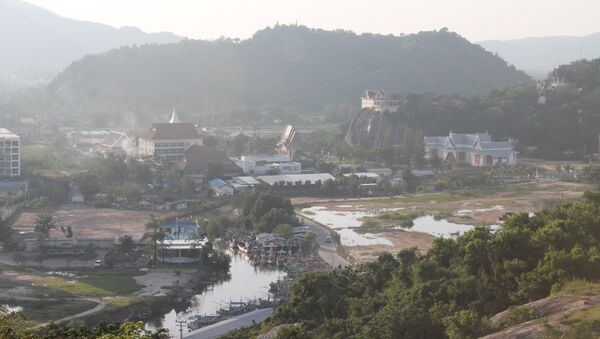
180 324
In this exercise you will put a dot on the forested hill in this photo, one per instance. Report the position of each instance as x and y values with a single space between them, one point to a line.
37 44
527 113
286 68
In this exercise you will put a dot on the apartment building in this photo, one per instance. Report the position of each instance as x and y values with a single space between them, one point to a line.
10 154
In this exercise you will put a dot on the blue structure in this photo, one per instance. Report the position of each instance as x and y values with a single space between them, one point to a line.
180 229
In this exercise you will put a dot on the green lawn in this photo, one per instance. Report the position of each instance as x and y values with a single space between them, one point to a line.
100 284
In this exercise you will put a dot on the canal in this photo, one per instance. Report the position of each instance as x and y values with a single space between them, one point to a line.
247 282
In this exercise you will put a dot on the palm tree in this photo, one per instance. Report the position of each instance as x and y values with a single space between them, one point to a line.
154 234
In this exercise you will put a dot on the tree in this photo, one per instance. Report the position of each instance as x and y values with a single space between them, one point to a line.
19 257
89 253
285 230
43 224
153 235
42 254
409 180
125 249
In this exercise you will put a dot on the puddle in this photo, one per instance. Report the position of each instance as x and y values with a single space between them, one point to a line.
466 212
344 222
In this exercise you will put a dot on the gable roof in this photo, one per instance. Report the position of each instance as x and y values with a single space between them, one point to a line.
197 158
288 137
176 130
114 139
371 94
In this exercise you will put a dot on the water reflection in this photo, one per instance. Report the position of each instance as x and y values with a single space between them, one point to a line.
247 282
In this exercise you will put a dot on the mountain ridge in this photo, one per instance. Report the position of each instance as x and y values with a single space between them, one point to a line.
284 68
38 43
540 55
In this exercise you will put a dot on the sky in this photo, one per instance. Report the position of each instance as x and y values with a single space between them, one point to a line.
476 20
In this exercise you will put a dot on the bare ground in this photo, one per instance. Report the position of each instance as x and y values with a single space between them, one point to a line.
401 240
92 222
157 282
476 208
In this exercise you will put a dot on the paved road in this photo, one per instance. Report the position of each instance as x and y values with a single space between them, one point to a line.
220 328
327 250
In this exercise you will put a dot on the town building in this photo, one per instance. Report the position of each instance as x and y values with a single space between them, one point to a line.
10 154
221 187
249 163
117 143
378 102
288 142
181 243
291 167
168 140
197 160
295 179
474 149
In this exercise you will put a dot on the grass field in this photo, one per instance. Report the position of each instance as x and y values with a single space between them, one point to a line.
93 284
41 311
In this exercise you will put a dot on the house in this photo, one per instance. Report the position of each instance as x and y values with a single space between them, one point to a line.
248 163
243 184
181 242
221 188
168 140
291 167
197 160
382 172
288 142
117 143
378 102
10 154
474 149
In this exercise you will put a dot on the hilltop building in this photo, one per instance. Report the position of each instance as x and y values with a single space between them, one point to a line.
10 154
474 149
168 140
289 142
378 102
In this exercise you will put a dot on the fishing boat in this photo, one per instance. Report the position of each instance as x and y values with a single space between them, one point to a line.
198 321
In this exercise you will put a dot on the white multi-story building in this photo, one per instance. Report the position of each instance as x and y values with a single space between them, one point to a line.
168 140
10 154
378 102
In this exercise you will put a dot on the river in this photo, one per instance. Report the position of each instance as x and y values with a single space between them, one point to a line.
247 282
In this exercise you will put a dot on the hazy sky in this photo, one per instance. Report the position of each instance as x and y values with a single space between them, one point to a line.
474 19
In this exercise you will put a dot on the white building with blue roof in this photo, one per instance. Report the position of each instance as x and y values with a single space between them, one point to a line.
475 149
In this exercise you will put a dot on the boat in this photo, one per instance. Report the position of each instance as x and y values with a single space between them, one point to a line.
198 321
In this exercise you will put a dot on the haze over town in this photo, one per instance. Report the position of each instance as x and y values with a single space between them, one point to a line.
299 169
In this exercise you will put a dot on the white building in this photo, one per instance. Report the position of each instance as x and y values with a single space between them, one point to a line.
378 102
10 154
248 163
295 179
291 167
168 140
474 149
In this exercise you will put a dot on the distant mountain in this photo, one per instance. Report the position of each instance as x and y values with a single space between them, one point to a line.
36 44
285 69
539 56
